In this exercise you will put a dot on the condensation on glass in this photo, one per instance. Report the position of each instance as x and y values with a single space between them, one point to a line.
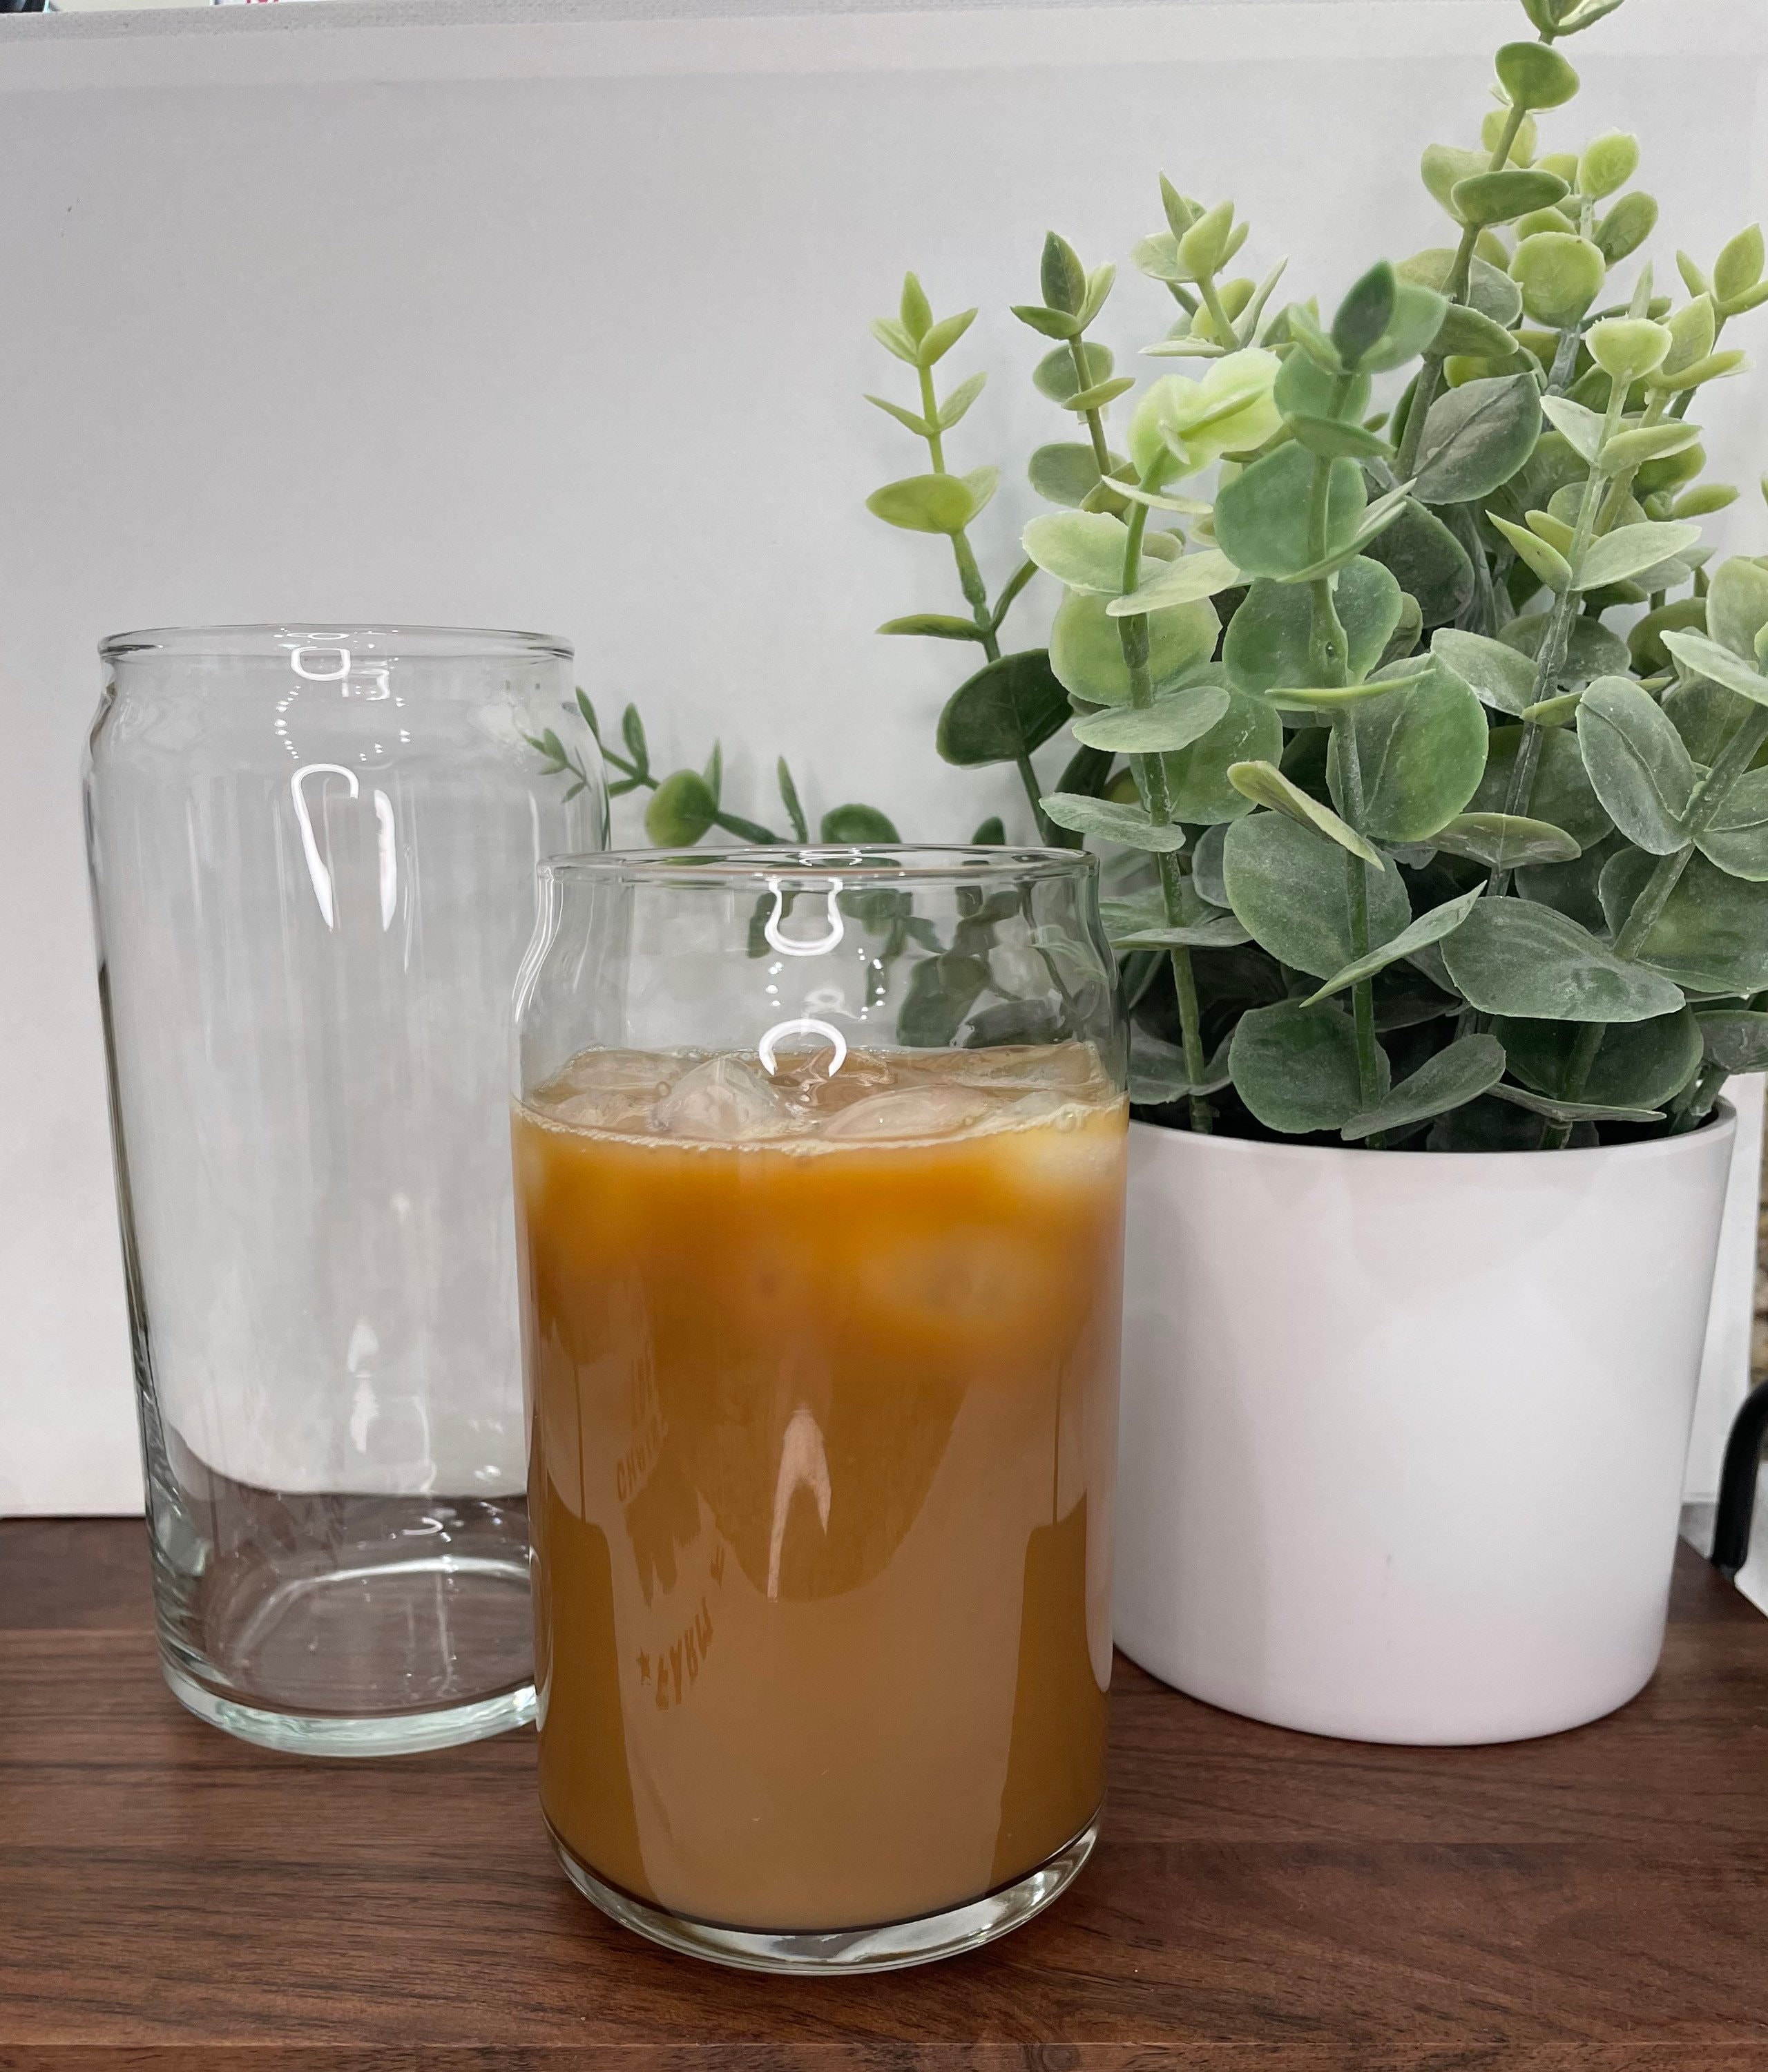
313 854
820 1176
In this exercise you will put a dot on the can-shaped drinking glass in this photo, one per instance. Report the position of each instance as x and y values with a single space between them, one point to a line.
820 1159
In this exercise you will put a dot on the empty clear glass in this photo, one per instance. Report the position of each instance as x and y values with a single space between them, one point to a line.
820 1159
312 852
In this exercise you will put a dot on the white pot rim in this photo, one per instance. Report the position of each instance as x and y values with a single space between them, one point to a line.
1662 1148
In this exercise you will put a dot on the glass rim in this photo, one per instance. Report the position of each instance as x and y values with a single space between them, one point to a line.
263 639
863 863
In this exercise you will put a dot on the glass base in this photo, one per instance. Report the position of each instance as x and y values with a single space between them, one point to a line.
398 1733
890 1948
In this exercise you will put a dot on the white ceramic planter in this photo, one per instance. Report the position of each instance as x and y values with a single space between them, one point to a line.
1403 1435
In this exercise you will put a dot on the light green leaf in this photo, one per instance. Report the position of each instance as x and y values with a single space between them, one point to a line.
1421 752
1307 698
953 408
1296 1067
1489 289
1489 198
1547 562
1102 393
1637 764
1498 676
1512 956
1506 841
1738 605
1174 722
1702 657
1055 374
1083 549
1286 882
1476 438
1431 927
917 425
1581 429
1630 450
1265 785
1182 582
1618 555
1737 839
934 625
941 336
925 504
1457 1074
1127 824
1087 647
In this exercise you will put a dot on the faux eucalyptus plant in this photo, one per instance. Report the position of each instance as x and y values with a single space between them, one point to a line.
1427 754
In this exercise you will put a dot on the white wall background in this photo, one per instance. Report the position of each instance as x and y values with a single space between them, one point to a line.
552 318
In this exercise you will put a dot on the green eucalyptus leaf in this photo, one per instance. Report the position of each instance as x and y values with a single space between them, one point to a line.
1296 1067
1431 927
1571 887
1701 657
1265 785
1057 377
1051 324
1592 651
955 407
1331 440
1735 1041
788 798
1101 394
1144 923
1174 721
1534 76
1641 1064
941 336
1570 1111
890 335
1582 428
1128 825
681 810
1182 582
1083 549
942 990
1497 675
1062 279
1631 449
1504 842
1737 837
1261 517
1618 555
1286 883
1197 783
1561 794
934 625
1637 763
991 834
1490 291
1541 556
1464 332
1560 273
1429 563
1501 197
1712 934
1066 473
1304 389
1006 710
925 504
1365 313
1512 956
1476 438
911 419
858 827
1086 645
1422 753
1459 1073
1626 227
1157 1073
1267 643
1706 716
1209 864
1738 605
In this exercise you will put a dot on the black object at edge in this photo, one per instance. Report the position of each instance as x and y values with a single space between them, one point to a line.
1737 1483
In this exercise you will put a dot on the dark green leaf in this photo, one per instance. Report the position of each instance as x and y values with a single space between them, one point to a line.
942 991
858 827
1737 838
1641 1064
1460 1073
632 733
1296 1067
1512 956
1431 927
1561 794
788 796
1422 753
1007 709
1286 882
1429 562
1570 1111
1267 637
1365 313
1057 377
681 809
1197 783
1736 1041
991 834
1713 935
1503 841
1476 438
1637 764
1261 517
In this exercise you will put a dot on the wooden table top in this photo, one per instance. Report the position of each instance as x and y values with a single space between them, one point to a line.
1261 1902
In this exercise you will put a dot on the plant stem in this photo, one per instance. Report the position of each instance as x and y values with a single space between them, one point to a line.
975 594
1430 375
1095 424
1150 774
1556 639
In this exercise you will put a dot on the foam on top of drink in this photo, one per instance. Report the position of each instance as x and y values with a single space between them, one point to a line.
727 1100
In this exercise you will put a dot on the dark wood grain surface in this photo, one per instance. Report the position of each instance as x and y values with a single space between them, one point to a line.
1261 1902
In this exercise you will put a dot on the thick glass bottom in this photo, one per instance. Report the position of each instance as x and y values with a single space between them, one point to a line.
399 1733
888 1948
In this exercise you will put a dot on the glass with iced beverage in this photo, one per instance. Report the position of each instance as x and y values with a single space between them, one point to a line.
819 1180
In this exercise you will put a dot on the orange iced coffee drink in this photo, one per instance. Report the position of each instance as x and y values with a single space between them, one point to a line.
824 1372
